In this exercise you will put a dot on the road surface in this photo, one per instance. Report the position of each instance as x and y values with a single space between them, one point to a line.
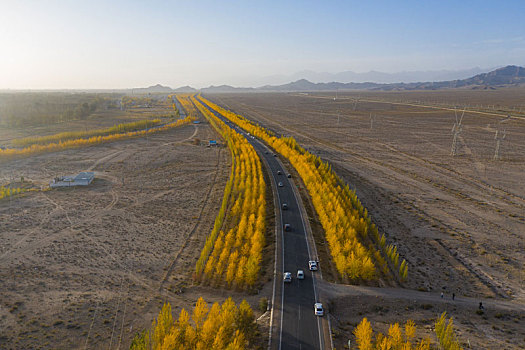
295 324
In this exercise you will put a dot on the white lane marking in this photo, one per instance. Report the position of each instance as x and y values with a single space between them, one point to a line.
310 257
319 330
282 254
275 257
330 332
282 237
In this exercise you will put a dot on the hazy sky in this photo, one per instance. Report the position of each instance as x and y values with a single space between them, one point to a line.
116 44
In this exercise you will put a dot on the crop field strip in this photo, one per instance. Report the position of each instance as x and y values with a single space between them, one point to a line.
357 249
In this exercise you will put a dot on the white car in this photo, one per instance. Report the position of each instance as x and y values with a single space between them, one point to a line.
312 264
318 309
300 274
280 184
287 277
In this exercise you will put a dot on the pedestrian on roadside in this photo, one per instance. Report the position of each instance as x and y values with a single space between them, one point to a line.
441 295
453 296
481 305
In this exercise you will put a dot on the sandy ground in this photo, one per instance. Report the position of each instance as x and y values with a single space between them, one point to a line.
459 221
88 267
499 326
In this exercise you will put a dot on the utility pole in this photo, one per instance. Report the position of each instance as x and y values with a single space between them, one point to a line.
456 130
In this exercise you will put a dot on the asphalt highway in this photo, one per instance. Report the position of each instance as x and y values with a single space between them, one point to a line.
297 325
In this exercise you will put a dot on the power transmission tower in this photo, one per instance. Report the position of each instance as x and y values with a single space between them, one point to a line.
456 130
500 136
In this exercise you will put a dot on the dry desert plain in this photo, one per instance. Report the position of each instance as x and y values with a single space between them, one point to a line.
88 267
458 220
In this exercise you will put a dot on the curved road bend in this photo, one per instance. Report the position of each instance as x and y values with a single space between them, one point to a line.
297 325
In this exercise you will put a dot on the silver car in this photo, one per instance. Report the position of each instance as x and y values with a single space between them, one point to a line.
318 309
287 277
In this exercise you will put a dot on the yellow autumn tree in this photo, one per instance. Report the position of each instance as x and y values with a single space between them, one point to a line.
71 135
36 148
398 338
445 333
235 260
358 251
221 327
363 334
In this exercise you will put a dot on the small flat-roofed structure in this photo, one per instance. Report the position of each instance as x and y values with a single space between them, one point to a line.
82 179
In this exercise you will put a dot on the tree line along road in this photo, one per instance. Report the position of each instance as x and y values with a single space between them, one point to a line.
294 324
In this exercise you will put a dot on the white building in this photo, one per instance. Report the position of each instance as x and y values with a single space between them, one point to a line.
82 179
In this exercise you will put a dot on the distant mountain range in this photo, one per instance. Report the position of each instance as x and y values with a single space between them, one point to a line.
372 76
509 75
160 88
